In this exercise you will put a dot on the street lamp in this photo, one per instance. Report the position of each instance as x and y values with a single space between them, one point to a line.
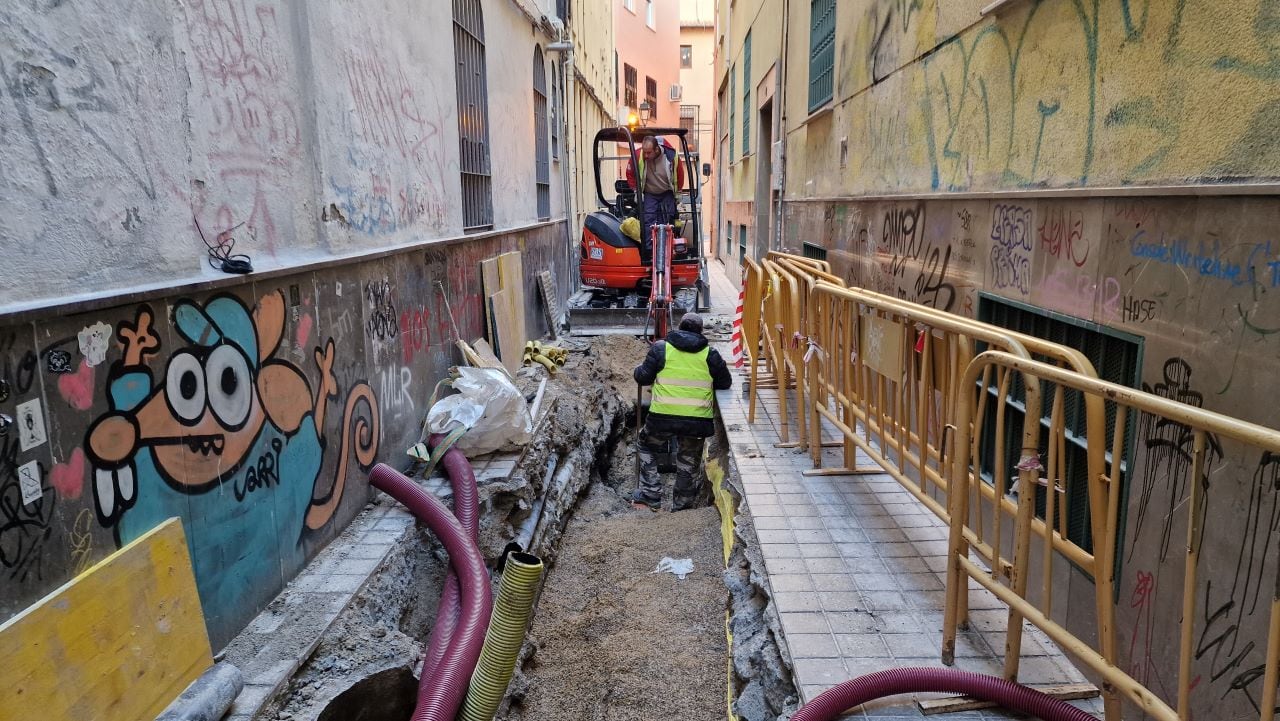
644 112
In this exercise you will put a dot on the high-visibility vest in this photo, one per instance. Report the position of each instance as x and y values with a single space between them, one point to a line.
675 180
683 386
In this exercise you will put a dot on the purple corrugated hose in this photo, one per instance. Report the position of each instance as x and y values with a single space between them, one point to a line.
440 695
833 702
465 506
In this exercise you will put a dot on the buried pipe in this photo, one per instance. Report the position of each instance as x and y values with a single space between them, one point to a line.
465 506
440 694
208 697
511 612
838 699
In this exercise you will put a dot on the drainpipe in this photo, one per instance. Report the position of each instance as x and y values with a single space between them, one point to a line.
781 167
567 84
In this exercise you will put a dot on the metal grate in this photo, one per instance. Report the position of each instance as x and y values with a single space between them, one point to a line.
1116 356
746 95
473 115
630 79
816 252
542 156
556 106
689 121
742 242
822 51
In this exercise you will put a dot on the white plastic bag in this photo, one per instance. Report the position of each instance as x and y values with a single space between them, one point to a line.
490 406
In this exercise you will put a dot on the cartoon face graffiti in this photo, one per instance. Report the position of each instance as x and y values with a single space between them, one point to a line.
231 439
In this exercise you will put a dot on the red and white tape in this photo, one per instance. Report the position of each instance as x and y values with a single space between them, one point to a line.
737 332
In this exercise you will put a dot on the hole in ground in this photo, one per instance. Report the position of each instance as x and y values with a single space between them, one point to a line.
388 695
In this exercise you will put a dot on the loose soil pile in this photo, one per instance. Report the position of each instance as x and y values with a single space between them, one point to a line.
614 641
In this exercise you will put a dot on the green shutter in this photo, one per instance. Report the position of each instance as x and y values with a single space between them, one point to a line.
746 95
822 51
733 121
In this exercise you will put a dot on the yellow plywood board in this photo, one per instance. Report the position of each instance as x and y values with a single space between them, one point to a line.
118 643
503 280
882 345
511 270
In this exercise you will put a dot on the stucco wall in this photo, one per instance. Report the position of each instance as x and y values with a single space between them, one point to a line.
1047 94
653 52
312 129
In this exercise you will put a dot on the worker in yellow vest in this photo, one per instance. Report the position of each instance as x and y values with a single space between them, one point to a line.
685 374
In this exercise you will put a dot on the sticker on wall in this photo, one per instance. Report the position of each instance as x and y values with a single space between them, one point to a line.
4 390
59 361
5 423
94 340
29 480
30 424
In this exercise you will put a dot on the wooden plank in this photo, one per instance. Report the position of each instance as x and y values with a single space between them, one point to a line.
511 272
487 358
510 346
490 283
117 643
1066 692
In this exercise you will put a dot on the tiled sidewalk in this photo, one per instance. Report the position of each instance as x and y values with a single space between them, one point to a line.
858 567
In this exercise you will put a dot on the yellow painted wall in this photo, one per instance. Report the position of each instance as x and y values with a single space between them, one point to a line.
594 94
1047 94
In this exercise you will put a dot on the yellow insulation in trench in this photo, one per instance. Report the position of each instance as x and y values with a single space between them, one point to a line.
725 505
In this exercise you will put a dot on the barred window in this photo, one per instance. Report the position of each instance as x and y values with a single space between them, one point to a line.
630 79
689 121
473 115
651 96
746 95
542 159
822 52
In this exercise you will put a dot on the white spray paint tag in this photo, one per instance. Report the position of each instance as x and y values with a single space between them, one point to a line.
29 480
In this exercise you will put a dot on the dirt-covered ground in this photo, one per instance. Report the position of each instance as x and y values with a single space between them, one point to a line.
614 640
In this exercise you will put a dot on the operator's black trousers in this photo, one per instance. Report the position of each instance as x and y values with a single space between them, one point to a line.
688 469
658 209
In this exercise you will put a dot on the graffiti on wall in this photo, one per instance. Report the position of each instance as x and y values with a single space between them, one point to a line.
1011 248
228 436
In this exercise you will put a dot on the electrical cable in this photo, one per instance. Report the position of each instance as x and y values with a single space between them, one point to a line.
220 255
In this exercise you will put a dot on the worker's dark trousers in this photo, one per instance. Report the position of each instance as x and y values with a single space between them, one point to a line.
658 210
688 470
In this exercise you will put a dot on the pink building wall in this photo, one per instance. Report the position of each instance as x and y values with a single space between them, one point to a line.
653 52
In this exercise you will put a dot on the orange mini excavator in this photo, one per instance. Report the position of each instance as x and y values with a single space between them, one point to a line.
624 290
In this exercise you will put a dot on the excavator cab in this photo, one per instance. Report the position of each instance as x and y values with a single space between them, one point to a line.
615 275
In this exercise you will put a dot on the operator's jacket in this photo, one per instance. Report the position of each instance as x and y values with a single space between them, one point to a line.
677 168
647 372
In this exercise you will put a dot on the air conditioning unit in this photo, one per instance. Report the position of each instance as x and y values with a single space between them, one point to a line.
676 92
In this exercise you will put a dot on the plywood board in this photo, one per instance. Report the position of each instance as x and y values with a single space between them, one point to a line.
510 338
124 638
511 272
486 356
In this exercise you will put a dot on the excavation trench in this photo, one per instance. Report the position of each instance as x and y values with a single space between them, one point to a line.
610 639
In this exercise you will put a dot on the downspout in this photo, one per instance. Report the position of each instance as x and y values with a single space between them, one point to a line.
781 167
570 169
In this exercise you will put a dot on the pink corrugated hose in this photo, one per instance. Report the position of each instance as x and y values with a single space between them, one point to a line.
465 506
837 700
440 694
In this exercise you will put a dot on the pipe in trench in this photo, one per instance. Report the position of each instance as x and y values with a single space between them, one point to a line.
511 612
466 507
835 701
440 694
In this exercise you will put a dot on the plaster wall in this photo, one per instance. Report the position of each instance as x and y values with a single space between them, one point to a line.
304 131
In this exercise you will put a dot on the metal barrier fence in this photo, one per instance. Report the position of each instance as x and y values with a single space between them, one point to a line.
1122 405
926 395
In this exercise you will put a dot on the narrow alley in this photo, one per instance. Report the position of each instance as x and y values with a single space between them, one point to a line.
635 360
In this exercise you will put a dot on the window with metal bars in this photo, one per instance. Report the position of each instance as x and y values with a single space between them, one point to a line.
542 155
746 95
689 121
651 96
555 106
1117 356
816 252
822 52
630 79
728 237
742 242
473 115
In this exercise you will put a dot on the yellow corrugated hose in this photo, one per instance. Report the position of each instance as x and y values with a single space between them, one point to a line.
511 612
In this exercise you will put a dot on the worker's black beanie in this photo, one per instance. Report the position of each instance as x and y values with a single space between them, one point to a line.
691 322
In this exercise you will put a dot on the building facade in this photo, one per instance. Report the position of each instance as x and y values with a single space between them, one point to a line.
363 159
647 38
697 99
593 101
1101 174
